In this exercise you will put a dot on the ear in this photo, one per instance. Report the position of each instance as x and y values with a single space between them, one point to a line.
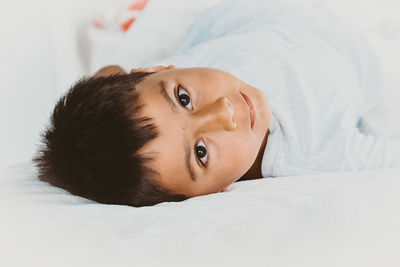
109 70
153 69
223 190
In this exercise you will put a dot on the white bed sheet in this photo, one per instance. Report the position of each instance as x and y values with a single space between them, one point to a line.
348 219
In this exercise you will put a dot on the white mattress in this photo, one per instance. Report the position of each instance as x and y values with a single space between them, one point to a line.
348 219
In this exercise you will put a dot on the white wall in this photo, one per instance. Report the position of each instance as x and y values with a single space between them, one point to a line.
26 70
41 54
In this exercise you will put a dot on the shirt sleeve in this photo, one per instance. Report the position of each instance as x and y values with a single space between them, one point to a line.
372 152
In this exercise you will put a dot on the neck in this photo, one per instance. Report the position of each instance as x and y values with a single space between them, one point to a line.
255 170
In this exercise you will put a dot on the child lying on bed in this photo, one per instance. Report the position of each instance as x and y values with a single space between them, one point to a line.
262 89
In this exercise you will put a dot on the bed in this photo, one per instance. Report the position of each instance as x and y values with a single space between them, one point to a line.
329 219
347 219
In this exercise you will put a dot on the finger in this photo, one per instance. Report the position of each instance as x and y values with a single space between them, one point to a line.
137 70
157 68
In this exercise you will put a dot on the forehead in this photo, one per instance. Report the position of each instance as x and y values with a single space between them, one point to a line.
167 149
198 75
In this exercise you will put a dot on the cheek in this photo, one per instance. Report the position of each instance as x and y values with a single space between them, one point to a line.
226 85
238 154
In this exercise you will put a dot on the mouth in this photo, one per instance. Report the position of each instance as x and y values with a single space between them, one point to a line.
252 112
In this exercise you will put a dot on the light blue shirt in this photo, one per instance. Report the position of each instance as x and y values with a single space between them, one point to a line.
317 71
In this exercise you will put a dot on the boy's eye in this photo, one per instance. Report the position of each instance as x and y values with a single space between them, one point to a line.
184 98
201 153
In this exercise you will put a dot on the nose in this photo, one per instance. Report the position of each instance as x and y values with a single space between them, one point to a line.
218 115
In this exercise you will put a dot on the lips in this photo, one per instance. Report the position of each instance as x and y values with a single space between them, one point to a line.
252 112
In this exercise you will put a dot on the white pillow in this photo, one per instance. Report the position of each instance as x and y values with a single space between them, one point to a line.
153 36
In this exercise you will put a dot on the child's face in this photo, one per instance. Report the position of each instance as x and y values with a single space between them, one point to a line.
207 121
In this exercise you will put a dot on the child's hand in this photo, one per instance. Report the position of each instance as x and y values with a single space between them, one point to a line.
115 69
153 69
109 70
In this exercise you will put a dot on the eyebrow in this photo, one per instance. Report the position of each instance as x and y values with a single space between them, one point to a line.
188 154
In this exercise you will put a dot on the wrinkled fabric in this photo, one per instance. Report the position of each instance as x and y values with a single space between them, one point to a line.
319 74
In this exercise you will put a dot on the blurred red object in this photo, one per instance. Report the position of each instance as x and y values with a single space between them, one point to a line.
120 19
127 24
138 5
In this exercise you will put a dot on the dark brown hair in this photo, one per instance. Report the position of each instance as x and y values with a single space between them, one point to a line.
90 147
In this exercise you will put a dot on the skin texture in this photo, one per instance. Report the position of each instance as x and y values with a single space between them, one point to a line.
213 118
